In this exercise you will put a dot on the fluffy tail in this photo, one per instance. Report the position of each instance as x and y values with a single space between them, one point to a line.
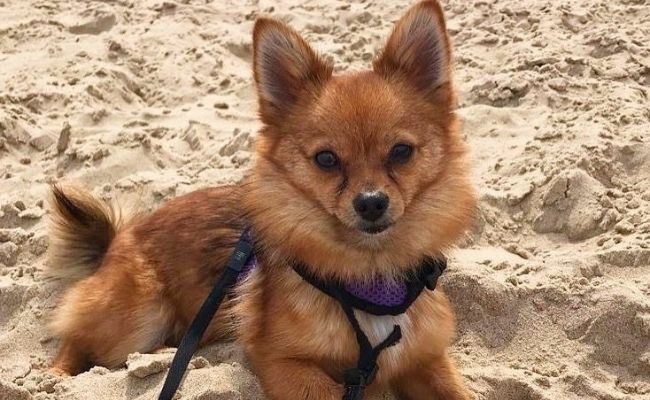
81 230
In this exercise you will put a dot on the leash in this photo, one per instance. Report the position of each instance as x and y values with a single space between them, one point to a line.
355 379
190 342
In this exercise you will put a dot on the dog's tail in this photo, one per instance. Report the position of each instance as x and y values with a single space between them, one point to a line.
82 228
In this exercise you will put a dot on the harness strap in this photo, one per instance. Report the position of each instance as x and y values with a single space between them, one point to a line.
425 275
190 342
356 379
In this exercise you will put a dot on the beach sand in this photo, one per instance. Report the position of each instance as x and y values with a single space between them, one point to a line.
141 101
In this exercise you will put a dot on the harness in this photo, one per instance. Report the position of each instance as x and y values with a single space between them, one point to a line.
376 297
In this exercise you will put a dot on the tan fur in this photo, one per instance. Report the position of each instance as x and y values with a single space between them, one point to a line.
81 229
159 268
150 283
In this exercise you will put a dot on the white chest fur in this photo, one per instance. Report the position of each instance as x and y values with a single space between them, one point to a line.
378 327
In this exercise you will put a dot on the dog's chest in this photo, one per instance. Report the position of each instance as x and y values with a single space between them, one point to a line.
379 327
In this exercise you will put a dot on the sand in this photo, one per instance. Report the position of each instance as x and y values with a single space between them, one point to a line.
142 101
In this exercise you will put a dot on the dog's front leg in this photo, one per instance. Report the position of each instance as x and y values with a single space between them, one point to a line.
439 380
296 379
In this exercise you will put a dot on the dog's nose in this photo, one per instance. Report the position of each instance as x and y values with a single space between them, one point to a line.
371 206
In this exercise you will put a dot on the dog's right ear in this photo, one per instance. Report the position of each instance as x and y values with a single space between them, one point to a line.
285 68
418 51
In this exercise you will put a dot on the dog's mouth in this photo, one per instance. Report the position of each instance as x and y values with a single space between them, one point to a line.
374 228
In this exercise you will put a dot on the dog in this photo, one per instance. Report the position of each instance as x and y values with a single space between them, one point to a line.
356 176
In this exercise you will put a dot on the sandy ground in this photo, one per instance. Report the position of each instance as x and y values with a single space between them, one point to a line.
147 100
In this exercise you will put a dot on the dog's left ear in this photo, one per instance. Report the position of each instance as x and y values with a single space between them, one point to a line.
418 50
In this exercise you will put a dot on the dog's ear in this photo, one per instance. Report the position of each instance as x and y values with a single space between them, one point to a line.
285 68
418 50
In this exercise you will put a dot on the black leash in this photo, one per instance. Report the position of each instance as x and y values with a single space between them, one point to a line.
355 379
190 341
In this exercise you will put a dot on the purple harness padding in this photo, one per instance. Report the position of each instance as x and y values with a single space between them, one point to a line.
380 292
378 296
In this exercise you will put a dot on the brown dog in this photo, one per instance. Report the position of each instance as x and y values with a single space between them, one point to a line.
356 176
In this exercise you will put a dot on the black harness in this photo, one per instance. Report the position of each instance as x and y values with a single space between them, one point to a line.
356 379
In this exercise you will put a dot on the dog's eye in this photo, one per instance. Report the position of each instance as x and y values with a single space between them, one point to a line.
327 160
400 153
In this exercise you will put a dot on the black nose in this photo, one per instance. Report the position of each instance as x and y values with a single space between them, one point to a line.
370 206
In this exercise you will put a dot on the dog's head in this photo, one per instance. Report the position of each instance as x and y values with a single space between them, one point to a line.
363 162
